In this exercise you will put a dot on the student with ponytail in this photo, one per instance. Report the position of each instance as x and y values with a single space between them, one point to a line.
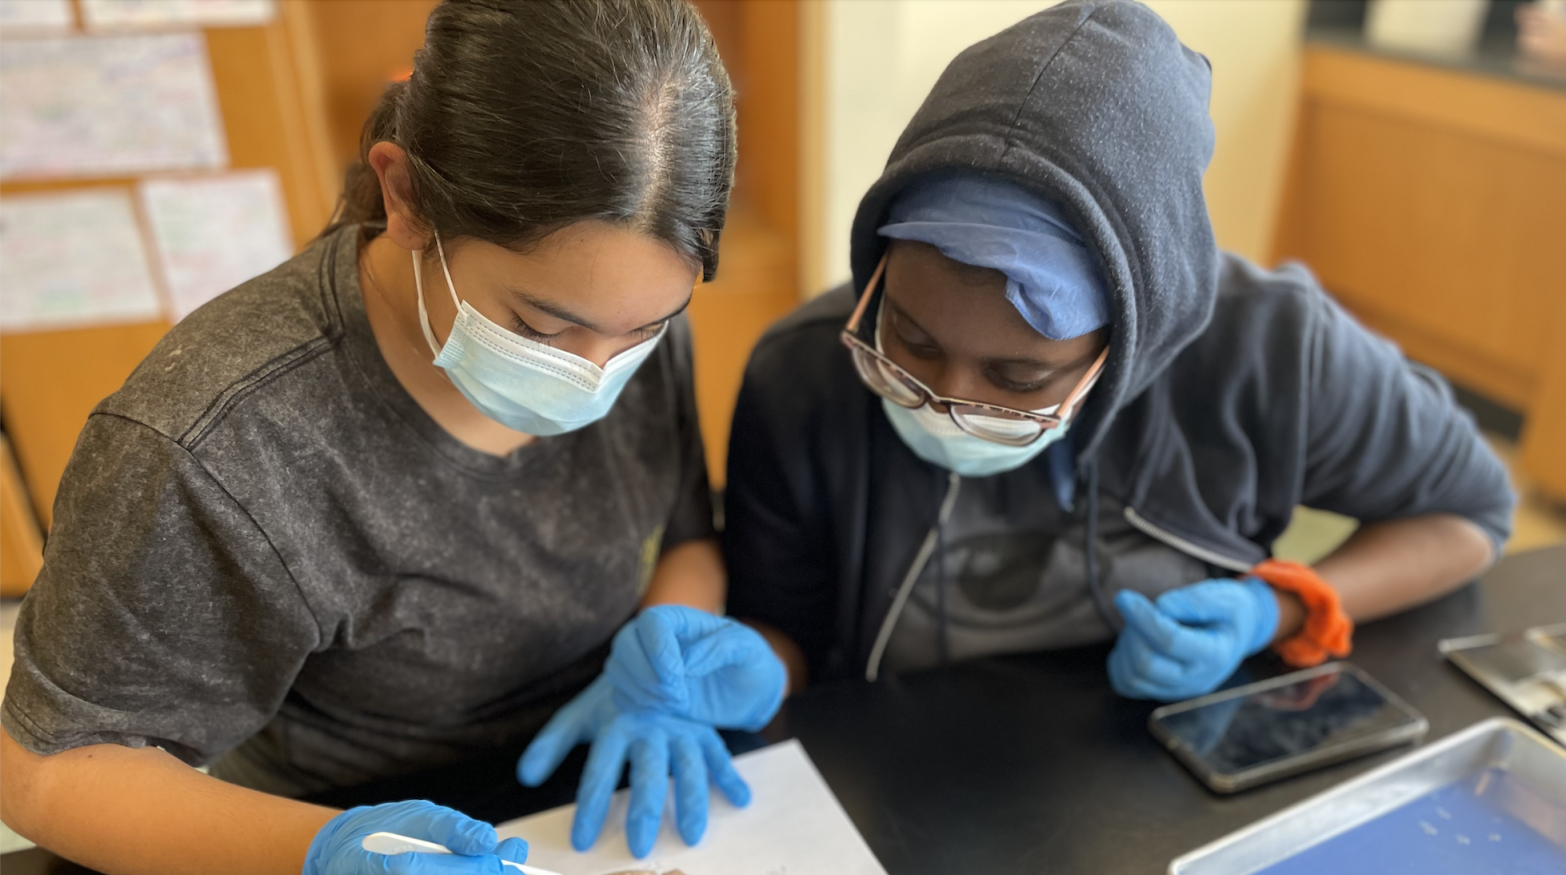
383 509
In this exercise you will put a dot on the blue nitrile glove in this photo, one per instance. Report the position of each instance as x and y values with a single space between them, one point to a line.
656 745
691 664
1191 639
476 850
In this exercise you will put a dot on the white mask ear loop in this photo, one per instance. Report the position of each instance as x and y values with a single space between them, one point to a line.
450 286
424 313
418 285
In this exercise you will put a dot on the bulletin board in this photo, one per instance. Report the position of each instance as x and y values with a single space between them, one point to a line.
81 204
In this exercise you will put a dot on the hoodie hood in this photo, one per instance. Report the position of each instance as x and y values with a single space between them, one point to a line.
1095 105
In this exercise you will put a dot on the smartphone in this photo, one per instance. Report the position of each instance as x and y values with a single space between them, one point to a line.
1243 737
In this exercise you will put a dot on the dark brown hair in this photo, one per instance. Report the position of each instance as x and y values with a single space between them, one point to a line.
524 116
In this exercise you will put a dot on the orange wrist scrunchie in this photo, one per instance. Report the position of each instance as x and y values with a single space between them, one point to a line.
1327 631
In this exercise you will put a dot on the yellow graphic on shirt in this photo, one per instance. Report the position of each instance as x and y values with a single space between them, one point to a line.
649 561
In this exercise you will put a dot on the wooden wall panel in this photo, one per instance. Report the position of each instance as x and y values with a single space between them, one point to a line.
21 541
770 107
52 380
811 264
754 288
725 20
361 45
262 115
1543 449
758 274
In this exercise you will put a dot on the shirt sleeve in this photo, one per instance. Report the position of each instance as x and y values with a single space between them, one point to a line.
162 614
777 539
1387 440
691 516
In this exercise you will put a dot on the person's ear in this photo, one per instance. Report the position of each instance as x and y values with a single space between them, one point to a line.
403 225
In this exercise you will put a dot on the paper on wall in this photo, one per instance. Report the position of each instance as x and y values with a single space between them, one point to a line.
112 14
72 259
108 106
793 826
28 15
214 232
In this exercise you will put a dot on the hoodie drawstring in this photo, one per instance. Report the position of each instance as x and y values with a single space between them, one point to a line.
873 666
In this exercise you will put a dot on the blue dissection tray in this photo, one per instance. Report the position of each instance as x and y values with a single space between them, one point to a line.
1490 799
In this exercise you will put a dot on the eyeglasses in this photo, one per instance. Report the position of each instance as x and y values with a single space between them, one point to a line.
992 422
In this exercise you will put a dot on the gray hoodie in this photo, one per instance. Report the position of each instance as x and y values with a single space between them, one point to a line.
1231 395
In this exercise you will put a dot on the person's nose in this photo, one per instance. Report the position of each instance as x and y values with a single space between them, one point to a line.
958 381
599 349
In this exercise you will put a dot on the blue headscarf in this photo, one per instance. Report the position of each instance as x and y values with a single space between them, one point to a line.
1052 278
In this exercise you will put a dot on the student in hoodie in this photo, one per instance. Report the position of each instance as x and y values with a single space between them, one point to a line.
1049 411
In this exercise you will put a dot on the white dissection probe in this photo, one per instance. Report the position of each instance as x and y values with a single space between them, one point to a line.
391 844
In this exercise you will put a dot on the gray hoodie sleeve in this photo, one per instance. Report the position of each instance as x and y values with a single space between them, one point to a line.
162 614
1386 439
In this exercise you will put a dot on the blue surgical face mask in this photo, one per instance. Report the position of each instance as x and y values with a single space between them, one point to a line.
935 438
523 384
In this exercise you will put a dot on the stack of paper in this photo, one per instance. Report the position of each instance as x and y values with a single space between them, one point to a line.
793 826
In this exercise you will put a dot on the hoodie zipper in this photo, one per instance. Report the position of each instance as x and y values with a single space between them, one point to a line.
1183 545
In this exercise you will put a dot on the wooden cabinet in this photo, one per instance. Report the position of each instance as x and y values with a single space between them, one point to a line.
1432 203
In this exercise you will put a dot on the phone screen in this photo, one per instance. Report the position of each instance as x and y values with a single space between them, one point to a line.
1249 730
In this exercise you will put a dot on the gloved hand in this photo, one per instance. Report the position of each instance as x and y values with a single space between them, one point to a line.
1191 639
656 744
475 848
692 664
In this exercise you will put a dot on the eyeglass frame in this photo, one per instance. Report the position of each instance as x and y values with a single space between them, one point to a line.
850 339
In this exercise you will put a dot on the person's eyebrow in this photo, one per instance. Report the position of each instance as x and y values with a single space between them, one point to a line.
677 311
903 316
1039 364
563 314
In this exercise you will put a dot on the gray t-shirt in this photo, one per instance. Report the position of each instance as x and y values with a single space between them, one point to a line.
1013 579
263 542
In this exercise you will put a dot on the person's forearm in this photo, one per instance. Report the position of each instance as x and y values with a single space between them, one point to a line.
1392 565
787 651
690 574
125 811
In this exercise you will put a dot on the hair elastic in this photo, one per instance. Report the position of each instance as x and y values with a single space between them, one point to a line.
1327 632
